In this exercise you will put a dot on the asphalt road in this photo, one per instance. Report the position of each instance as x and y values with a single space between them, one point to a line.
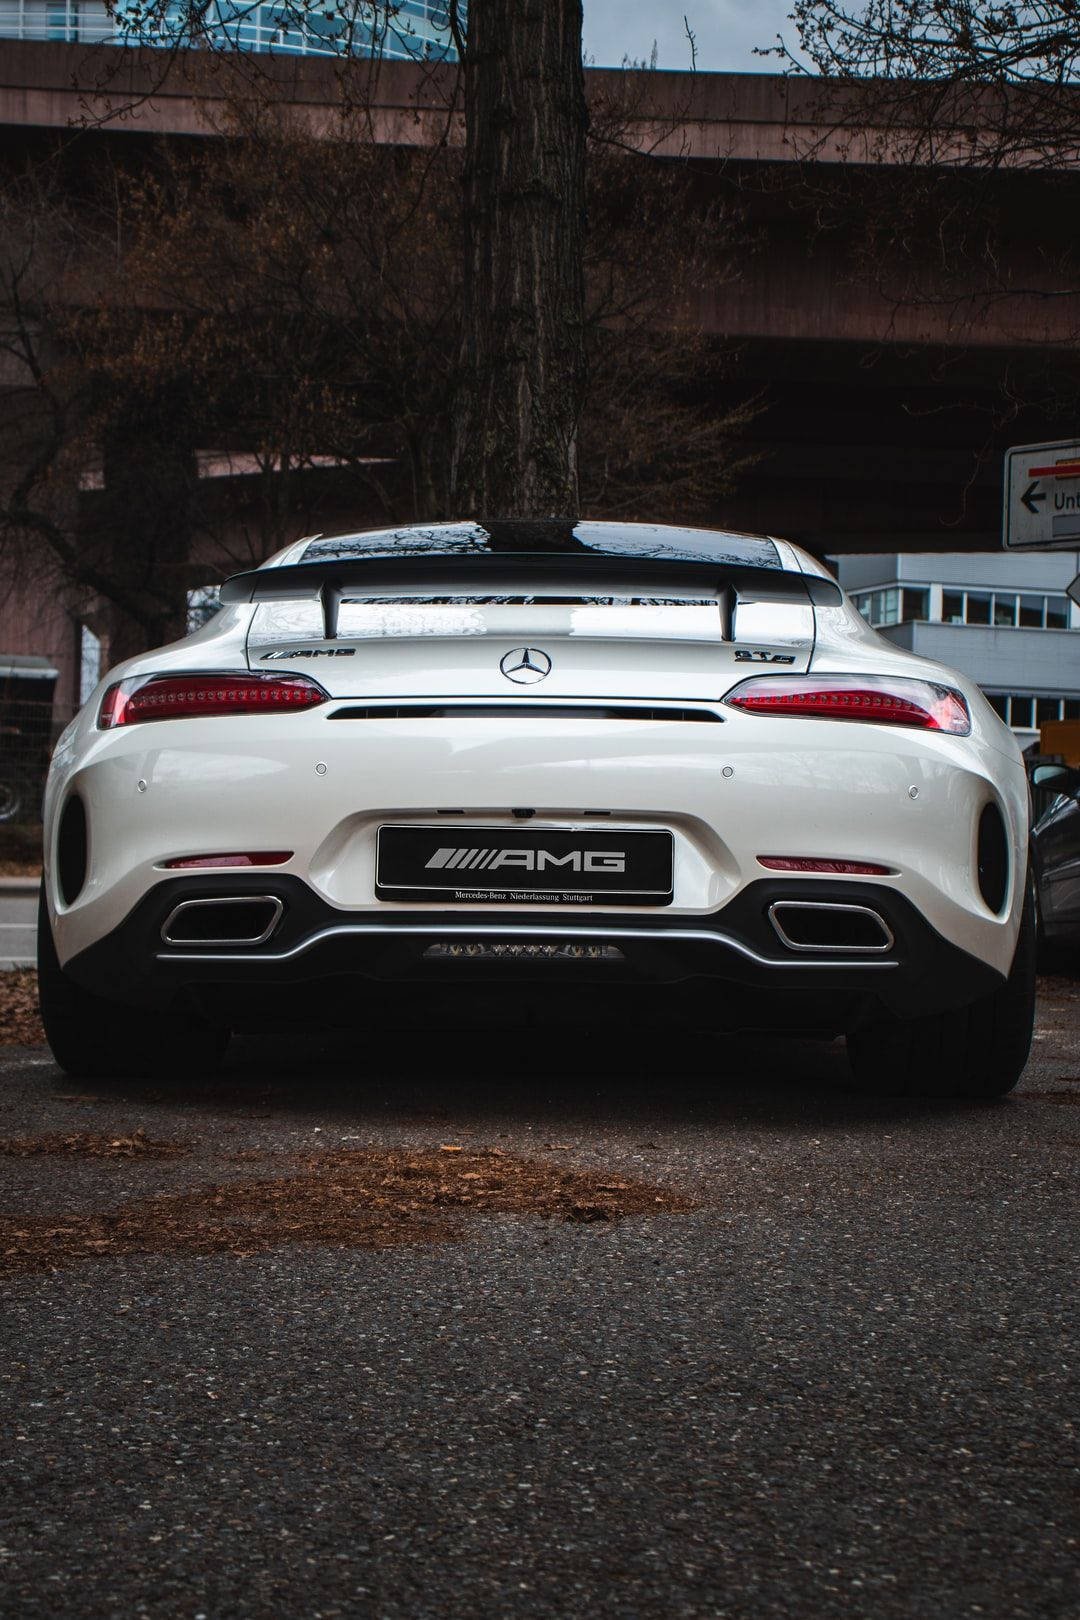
844 1385
18 927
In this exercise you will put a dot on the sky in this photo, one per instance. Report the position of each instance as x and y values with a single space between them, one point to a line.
726 31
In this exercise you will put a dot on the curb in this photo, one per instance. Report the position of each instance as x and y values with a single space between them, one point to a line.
19 885
12 964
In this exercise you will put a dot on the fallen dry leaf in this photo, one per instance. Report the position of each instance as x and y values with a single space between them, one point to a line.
19 1021
351 1199
92 1145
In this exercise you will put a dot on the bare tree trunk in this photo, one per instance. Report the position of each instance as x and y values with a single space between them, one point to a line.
523 355
142 525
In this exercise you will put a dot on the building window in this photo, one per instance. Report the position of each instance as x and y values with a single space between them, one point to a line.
1024 712
894 605
1005 609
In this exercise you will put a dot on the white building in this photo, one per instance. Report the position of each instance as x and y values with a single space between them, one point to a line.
1002 618
405 30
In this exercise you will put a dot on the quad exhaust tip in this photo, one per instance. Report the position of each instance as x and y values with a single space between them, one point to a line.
243 919
819 925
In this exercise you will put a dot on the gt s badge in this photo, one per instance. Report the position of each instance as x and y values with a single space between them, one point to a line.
748 655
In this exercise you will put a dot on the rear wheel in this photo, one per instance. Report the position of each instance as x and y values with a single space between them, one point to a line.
978 1051
94 1038
16 796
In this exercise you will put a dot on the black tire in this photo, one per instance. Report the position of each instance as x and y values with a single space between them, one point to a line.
93 1038
16 797
978 1051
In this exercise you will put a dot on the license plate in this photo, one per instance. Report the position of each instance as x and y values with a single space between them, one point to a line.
492 865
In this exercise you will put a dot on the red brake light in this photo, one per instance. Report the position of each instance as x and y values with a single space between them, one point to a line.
807 863
878 699
179 697
271 858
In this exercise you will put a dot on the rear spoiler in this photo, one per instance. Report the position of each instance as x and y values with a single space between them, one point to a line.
533 574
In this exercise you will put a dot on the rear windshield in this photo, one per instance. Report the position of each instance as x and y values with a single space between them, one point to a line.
550 536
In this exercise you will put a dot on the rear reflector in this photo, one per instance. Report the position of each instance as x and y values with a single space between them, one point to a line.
186 862
804 863
179 697
878 699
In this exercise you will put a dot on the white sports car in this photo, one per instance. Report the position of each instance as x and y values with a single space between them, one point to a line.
548 764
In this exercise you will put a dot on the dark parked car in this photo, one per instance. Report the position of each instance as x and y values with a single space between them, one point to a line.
27 734
1055 835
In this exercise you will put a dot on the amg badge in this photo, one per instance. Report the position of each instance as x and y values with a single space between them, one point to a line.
312 652
527 860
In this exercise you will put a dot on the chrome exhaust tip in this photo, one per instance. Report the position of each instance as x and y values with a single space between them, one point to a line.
242 919
820 925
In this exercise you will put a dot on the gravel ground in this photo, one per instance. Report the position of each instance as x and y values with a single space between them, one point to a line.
19 1021
839 1382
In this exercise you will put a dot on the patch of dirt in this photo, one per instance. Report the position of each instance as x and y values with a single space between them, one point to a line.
1057 987
352 1200
20 868
19 1021
92 1145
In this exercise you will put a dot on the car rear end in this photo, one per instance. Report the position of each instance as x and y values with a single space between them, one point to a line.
764 809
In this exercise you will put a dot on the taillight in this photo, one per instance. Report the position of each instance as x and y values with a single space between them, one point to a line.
179 697
879 699
809 863
185 863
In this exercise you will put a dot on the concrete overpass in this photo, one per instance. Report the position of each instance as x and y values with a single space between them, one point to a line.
885 417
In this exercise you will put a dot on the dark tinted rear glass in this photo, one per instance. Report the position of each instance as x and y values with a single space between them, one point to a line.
553 537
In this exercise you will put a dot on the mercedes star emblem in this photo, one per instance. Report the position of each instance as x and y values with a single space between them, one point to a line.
525 665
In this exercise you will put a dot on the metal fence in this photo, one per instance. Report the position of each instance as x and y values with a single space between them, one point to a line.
28 731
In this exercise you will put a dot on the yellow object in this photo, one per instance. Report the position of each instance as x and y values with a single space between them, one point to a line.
1061 737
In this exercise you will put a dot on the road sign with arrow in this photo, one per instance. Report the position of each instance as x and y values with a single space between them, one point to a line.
1042 497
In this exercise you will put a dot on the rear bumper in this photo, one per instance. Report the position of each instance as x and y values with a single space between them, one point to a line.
736 968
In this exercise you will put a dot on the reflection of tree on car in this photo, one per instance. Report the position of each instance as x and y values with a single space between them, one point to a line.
26 734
